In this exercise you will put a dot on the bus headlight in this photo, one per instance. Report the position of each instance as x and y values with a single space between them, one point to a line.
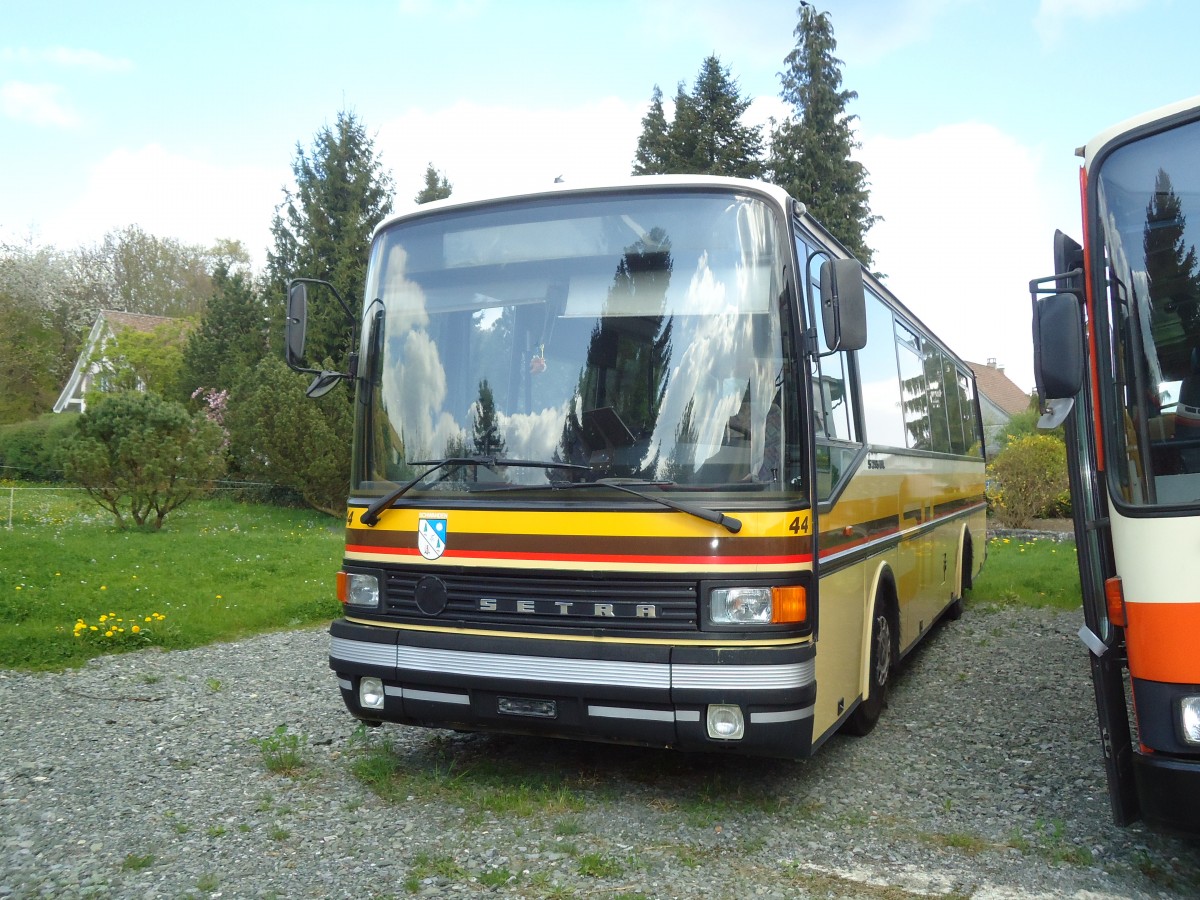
358 588
1189 718
757 605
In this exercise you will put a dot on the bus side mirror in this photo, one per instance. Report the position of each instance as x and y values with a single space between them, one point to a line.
843 304
295 325
1057 355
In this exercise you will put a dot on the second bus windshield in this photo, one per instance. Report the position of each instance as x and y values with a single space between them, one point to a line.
638 335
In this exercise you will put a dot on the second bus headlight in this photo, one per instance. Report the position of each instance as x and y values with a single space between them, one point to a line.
763 605
1189 715
358 588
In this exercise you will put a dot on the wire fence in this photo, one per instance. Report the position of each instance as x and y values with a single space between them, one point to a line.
37 504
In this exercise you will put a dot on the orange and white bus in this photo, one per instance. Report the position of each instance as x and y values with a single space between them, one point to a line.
1117 357
652 463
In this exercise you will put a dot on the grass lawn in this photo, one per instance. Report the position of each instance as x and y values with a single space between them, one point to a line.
1037 572
72 586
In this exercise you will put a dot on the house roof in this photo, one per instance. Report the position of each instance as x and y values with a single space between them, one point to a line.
108 320
999 388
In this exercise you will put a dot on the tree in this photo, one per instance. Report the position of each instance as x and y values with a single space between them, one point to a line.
653 149
279 435
322 229
810 151
436 186
136 272
139 455
44 314
145 360
706 135
231 338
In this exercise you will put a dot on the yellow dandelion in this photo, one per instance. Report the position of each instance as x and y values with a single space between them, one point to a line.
148 619
104 587
135 629
93 628
108 633
104 618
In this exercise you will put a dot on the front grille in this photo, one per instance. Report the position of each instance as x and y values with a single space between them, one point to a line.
568 601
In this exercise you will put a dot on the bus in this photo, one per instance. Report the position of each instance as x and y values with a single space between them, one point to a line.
1117 362
653 463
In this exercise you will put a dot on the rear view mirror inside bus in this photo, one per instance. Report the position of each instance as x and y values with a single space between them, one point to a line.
843 305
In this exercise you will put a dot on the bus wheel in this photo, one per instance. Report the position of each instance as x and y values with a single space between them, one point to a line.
866 714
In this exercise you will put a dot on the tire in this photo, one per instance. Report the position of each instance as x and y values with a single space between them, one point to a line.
867 713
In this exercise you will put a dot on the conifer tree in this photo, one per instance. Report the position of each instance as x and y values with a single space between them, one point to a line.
707 134
436 186
322 229
810 151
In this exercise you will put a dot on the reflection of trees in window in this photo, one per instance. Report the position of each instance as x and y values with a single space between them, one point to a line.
487 437
937 406
1174 283
628 351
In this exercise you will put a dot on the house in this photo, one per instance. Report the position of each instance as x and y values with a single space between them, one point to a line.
999 401
90 369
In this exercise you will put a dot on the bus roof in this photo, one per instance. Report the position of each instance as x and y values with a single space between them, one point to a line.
1188 108
634 182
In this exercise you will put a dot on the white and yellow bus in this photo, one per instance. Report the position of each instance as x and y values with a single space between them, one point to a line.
1117 357
652 463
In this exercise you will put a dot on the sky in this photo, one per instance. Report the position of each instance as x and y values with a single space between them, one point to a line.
185 121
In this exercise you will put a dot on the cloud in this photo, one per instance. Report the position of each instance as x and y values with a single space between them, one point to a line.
37 104
66 57
490 150
1053 16
967 222
867 33
173 196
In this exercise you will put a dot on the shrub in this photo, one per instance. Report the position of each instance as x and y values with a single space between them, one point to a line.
139 455
29 450
1028 479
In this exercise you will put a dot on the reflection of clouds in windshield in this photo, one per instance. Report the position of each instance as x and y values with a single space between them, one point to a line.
533 436
415 388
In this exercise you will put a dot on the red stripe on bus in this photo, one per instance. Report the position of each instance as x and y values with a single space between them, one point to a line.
803 559
1161 641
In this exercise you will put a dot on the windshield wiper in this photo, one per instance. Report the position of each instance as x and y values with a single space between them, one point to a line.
631 486
371 515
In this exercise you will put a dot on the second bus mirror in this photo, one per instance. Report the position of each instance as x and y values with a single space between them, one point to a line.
296 324
843 305
1057 347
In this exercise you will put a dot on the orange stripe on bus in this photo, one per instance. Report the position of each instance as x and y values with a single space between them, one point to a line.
1163 641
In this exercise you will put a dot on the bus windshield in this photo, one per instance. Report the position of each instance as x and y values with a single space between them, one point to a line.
1148 194
635 336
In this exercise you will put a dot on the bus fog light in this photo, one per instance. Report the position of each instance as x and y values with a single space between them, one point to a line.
370 693
740 606
725 722
1189 717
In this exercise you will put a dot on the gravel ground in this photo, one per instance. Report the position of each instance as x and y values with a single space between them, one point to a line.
146 776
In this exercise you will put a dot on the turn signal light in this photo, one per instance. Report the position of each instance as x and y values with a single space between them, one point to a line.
1114 597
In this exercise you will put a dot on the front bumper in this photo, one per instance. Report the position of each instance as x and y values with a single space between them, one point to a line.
625 692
